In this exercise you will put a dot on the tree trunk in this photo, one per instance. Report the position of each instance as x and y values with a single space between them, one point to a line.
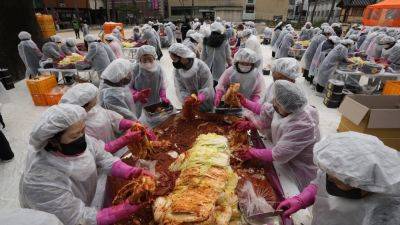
330 17
16 16
313 11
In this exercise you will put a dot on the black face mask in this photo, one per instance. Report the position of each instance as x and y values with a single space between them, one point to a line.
74 148
178 65
332 189
240 71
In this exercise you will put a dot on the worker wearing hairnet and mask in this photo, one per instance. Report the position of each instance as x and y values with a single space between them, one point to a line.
30 54
251 42
277 31
115 45
244 71
287 42
97 54
115 94
267 35
391 52
70 47
148 85
194 41
216 51
363 36
312 48
370 36
116 32
286 30
306 32
328 67
52 49
192 76
151 39
282 69
322 51
102 124
291 125
61 169
170 34
354 29
353 48
374 49
136 34
357 182
27 216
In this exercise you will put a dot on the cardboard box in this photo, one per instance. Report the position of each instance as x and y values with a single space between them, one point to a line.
374 115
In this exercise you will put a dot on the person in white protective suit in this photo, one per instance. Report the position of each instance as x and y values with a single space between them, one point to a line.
287 42
216 51
245 72
98 55
61 169
292 126
115 94
312 48
328 67
29 53
374 49
115 45
102 124
194 41
170 34
358 183
267 35
282 69
306 32
69 47
370 36
278 42
192 76
277 31
251 41
151 37
27 217
148 84
322 51
391 52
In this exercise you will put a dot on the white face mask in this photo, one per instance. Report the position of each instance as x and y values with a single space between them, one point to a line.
151 67
244 69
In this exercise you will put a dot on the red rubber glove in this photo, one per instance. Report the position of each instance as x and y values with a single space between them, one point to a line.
252 106
128 137
218 97
141 96
300 201
243 125
111 215
264 155
163 96
201 97
124 171
125 124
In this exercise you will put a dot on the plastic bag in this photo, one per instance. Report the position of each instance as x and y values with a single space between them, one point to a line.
150 165
250 204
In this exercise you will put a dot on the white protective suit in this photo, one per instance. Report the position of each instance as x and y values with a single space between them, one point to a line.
97 54
30 54
286 43
310 52
116 98
361 161
252 42
63 186
306 34
330 64
394 57
27 217
322 51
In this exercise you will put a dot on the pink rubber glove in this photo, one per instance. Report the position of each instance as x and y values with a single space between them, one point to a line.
218 96
125 124
300 201
141 96
111 215
261 154
243 125
125 171
163 96
201 97
117 144
252 106
151 135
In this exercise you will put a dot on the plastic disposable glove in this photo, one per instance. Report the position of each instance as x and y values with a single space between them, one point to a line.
117 144
141 96
125 171
300 201
218 97
243 125
264 155
201 97
252 106
111 215
163 96
125 124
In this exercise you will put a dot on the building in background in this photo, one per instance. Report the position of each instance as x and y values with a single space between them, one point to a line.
230 10
322 8
352 11
138 11
297 10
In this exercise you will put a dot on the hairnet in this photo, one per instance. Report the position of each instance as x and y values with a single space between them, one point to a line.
288 26
90 38
70 41
197 37
54 120
217 27
117 70
246 55
361 161
353 37
146 50
335 39
181 51
328 30
116 31
189 32
347 42
80 94
246 32
317 30
289 67
146 26
387 40
55 38
335 25
289 96
308 23
23 35
218 19
109 37
324 25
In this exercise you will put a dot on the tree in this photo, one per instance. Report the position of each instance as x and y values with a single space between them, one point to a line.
16 16
331 11
313 11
